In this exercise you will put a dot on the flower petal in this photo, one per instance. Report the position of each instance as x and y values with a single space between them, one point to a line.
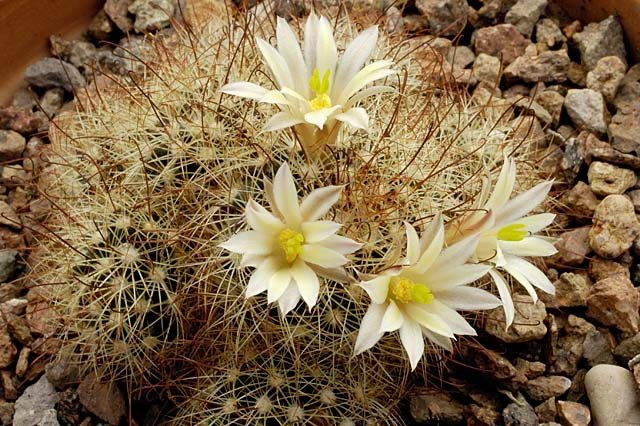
251 260
276 63
317 203
413 243
342 245
515 272
322 256
307 282
274 97
326 50
504 186
319 117
260 278
505 296
369 333
354 57
413 342
289 48
368 74
354 117
456 322
423 316
289 298
377 288
317 231
261 220
244 89
537 222
278 283
528 246
439 340
311 42
445 278
432 240
392 319
465 298
534 275
365 93
286 196
458 253
522 204
251 242
281 120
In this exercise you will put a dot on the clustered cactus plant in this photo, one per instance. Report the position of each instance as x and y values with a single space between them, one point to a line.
159 179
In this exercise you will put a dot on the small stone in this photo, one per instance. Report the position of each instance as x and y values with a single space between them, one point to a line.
52 101
573 247
553 102
485 415
587 110
612 395
8 385
595 149
568 349
21 120
445 17
493 366
6 413
597 349
615 227
11 145
151 15
503 41
49 418
607 76
528 324
394 23
547 411
101 26
577 391
624 132
13 306
628 348
531 369
546 387
577 74
8 217
549 33
34 402
117 10
580 201
614 302
487 68
40 316
573 413
18 327
524 15
600 269
519 414
546 67
430 406
62 372
607 179
571 291
51 72
102 399
23 361
601 39
460 56
8 350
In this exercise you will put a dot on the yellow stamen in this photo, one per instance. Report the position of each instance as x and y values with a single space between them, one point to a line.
291 244
513 232
320 87
404 290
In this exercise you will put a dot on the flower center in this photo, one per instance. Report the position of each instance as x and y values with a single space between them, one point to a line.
320 87
291 244
404 290
513 232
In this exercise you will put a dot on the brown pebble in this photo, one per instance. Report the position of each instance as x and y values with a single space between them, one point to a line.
573 414
23 361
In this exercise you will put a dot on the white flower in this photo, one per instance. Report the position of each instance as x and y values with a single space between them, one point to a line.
421 296
510 236
316 88
289 246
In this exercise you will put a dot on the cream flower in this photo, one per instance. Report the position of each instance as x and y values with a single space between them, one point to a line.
421 295
510 236
291 245
316 90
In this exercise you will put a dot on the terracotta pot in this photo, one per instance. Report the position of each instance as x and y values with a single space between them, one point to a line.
597 10
25 26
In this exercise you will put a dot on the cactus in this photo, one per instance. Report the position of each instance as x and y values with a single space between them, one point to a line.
152 172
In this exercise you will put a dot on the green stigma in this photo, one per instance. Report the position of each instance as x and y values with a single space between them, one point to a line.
513 232
320 87
291 244
404 290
